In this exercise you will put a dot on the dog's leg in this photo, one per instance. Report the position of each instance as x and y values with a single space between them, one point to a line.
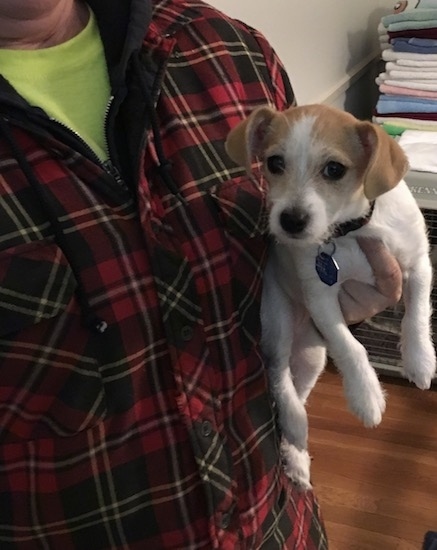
308 358
362 388
277 340
418 353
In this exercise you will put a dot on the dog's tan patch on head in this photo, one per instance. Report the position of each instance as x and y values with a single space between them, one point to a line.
375 158
320 145
262 129
336 132
319 135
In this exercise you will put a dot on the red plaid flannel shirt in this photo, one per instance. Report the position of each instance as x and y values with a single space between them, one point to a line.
159 432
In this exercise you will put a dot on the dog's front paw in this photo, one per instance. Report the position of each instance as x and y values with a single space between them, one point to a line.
296 465
366 398
420 366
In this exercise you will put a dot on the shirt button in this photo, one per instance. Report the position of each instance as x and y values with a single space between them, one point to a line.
186 333
226 520
206 428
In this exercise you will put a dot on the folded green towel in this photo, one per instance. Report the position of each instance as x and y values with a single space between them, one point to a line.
410 15
392 129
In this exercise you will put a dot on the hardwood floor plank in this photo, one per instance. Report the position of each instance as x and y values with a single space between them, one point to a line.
377 487
351 538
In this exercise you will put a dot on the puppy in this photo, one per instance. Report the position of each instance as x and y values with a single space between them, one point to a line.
331 179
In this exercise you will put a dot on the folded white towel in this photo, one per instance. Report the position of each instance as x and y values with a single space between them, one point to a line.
396 66
421 149
412 75
417 63
390 55
381 29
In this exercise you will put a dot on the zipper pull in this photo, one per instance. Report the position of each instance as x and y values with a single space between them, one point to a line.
113 171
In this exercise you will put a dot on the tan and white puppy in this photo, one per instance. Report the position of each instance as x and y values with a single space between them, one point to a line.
331 179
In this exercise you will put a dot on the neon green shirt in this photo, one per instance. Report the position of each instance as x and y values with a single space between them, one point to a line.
69 81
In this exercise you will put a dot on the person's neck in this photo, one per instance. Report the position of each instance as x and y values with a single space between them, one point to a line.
34 25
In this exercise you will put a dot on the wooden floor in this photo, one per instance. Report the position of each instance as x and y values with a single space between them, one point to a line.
377 487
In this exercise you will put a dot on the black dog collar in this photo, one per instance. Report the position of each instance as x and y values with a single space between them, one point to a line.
346 227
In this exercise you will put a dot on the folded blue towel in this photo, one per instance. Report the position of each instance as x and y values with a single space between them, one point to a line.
425 42
405 104
409 99
414 45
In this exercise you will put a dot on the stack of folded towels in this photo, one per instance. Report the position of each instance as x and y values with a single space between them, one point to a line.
408 85
407 103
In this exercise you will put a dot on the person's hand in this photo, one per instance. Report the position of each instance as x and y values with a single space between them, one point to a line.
360 301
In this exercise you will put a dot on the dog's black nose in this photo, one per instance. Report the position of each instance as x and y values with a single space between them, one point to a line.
293 221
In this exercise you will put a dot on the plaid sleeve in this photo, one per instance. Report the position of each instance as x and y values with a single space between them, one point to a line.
281 86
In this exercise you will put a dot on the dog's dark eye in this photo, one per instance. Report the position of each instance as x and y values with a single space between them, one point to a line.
276 164
334 170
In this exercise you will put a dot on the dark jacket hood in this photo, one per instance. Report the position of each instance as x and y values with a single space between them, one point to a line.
122 24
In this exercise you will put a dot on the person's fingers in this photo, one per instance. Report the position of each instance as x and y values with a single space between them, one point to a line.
360 301
387 272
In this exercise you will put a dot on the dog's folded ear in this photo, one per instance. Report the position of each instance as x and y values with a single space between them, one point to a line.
386 162
248 139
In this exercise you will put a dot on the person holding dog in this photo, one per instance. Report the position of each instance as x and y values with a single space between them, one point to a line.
134 406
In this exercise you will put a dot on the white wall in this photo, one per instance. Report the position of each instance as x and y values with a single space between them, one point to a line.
326 45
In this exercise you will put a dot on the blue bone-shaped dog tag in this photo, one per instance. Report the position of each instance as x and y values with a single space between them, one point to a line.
326 267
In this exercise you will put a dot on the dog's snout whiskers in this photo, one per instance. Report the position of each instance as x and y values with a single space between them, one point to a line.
293 220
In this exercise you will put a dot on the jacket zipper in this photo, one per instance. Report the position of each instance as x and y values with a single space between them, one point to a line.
107 165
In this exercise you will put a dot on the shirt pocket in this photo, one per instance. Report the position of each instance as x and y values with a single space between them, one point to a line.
241 204
50 382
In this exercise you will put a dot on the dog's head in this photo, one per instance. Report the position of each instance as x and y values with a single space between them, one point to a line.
323 166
